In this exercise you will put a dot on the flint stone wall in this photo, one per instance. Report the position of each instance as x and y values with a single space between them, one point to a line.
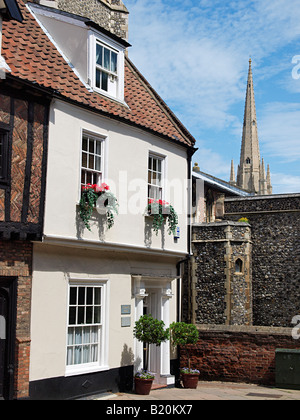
275 235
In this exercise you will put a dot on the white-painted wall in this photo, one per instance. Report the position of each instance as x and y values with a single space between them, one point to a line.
126 166
54 267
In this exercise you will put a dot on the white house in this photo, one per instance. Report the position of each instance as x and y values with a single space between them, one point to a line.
106 125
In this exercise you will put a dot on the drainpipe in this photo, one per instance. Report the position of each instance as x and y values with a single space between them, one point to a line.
190 154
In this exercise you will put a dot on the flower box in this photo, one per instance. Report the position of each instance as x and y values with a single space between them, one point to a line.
90 195
162 211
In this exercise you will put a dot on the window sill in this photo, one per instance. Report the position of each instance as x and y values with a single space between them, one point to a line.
113 98
73 371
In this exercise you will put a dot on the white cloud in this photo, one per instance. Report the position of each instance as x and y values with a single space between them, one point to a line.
195 54
212 162
284 184
279 129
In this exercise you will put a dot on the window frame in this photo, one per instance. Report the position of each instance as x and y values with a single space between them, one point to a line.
94 38
102 354
162 172
4 158
101 68
99 173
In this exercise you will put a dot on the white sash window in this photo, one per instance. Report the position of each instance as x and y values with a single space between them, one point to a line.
86 324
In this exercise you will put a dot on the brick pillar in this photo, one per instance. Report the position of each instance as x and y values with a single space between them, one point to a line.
16 261
22 367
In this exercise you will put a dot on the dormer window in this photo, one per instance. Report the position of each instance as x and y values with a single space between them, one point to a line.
106 68
97 57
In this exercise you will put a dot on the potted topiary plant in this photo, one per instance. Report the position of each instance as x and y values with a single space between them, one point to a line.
148 330
183 335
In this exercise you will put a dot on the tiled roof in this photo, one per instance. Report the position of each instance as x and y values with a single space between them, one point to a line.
32 57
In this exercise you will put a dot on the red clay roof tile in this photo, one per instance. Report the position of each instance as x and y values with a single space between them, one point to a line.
31 56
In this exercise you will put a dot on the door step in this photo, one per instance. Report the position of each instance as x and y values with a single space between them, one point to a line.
158 386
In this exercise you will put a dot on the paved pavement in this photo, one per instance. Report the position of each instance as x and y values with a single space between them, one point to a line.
208 391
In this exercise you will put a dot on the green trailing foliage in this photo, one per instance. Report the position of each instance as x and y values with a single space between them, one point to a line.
160 210
89 197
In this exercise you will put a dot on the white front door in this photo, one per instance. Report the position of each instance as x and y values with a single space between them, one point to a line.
152 306
152 298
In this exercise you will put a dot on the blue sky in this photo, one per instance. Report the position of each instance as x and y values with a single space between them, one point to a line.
195 54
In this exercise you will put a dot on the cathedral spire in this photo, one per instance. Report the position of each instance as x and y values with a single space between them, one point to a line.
232 174
269 185
251 174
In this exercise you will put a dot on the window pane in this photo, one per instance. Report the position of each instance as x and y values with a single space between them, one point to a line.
97 296
77 355
86 354
104 81
153 178
86 335
72 316
98 78
78 335
91 161
106 64
84 144
91 146
89 178
159 166
89 315
84 160
113 64
98 179
158 179
98 148
81 296
94 353
73 295
71 336
89 296
70 356
80 317
99 54
83 181
97 163
97 315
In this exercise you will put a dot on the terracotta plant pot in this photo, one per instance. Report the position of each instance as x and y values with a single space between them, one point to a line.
190 380
143 386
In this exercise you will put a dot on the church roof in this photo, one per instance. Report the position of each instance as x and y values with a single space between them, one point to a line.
33 58
220 184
